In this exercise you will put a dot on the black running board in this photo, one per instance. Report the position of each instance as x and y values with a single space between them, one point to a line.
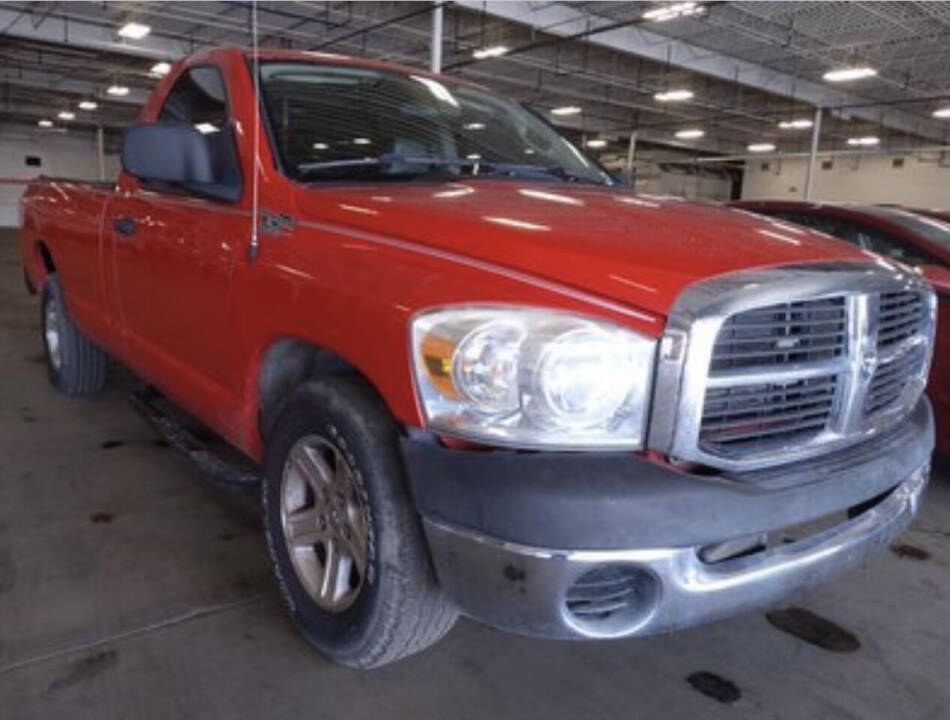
146 400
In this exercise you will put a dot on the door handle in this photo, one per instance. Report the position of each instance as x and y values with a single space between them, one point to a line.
124 225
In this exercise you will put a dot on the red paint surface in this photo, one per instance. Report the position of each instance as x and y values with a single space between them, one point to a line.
180 302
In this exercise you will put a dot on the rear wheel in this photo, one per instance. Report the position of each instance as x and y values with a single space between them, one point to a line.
346 544
76 365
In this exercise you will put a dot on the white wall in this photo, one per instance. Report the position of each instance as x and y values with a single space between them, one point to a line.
651 180
61 154
922 182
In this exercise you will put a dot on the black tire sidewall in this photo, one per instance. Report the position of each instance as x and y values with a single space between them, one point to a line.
338 410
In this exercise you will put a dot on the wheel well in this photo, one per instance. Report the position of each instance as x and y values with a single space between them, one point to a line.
285 365
46 257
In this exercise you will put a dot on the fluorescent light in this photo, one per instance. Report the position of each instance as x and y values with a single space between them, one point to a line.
206 128
66 115
88 105
566 110
473 156
850 73
670 11
798 124
45 123
596 143
942 113
865 141
689 134
362 141
320 146
134 30
489 52
760 147
160 68
529 151
474 126
119 90
673 95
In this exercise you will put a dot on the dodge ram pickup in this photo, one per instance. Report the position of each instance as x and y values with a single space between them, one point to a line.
477 375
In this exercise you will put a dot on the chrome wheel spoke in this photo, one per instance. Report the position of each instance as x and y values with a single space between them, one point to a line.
303 528
336 573
324 522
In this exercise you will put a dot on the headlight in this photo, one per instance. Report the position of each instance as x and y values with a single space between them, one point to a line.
532 378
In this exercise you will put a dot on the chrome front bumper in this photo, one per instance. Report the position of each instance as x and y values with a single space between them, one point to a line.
534 590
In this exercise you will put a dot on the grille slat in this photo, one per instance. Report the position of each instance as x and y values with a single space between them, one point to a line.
799 332
900 318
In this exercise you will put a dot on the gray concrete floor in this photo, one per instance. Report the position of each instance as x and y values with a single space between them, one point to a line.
131 587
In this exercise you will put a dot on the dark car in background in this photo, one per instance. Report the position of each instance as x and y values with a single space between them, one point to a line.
919 238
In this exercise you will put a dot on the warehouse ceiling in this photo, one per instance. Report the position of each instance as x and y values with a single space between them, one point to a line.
748 65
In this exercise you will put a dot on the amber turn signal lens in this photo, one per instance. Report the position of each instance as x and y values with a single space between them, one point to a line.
437 355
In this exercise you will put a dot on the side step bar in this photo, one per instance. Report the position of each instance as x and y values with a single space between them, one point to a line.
145 399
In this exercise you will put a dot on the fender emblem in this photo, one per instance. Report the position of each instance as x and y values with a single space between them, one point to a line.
273 223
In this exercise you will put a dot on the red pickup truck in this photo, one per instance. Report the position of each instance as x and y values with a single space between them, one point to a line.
479 376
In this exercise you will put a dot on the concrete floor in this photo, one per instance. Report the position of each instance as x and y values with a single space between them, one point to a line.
131 587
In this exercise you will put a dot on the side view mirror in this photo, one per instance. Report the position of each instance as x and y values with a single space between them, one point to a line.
204 163
938 276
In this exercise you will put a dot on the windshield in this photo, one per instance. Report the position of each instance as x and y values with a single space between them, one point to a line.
930 229
332 122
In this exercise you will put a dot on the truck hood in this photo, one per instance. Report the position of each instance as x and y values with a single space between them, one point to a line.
640 250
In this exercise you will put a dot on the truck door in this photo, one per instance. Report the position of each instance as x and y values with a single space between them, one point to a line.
174 259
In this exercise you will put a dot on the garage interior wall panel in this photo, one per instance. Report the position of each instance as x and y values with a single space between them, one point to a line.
62 155
920 181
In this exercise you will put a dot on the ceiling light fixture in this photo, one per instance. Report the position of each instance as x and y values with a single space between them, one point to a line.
361 141
689 134
66 115
118 90
942 113
849 73
489 52
160 69
670 11
597 143
474 126
673 95
566 110
134 30
760 147
865 141
799 124
45 123
88 105
320 146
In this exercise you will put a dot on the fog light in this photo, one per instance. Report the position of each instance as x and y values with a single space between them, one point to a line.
611 600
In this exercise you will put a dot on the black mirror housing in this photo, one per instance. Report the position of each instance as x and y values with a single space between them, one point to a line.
201 163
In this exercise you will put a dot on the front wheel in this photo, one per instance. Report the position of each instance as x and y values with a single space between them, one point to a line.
347 547
76 365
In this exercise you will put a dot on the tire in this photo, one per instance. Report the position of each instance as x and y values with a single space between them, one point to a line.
76 365
338 428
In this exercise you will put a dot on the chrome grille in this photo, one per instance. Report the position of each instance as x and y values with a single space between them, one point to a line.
775 412
899 317
889 381
901 320
782 334
829 357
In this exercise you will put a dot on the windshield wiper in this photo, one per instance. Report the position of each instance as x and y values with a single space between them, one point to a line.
477 167
381 160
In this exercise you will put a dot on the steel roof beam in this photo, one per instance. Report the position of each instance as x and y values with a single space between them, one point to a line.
563 20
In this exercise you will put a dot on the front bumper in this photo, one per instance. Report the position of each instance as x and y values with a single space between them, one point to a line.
599 563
